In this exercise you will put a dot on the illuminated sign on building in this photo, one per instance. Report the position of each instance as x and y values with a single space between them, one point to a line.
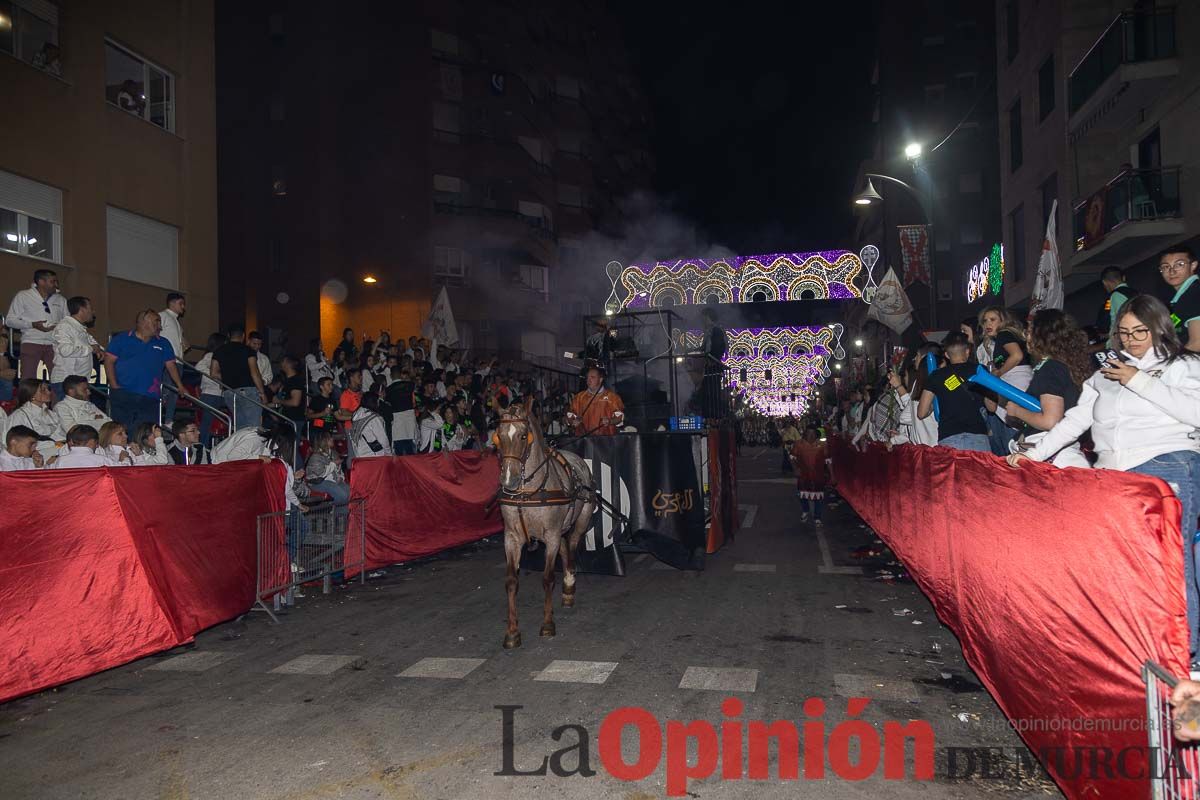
987 275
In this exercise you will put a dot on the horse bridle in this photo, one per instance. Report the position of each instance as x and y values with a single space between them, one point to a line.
524 456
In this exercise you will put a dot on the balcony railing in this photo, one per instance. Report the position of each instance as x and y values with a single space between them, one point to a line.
1131 38
1134 195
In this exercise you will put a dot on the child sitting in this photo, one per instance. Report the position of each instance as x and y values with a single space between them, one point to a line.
114 444
80 452
323 469
20 451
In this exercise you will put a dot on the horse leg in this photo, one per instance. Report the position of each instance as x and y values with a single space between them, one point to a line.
548 584
512 557
567 550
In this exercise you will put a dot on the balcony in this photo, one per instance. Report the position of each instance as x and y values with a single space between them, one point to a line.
1126 69
1133 214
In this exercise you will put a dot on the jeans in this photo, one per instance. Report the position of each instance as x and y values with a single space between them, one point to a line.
967 441
999 434
207 417
245 413
404 447
339 491
812 507
130 409
1181 471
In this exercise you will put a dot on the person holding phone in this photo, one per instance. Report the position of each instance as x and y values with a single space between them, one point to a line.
1061 366
1143 412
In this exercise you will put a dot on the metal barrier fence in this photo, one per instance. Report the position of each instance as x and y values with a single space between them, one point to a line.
296 548
1174 766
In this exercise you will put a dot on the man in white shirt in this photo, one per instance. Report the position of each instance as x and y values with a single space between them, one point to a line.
255 340
172 331
34 312
80 452
73 345
76 407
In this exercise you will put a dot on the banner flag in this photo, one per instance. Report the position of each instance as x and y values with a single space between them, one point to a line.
440 324
914 253
891 305
1048 286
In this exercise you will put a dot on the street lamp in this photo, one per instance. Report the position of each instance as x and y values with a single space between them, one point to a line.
912 152
858 342
868 196
370 279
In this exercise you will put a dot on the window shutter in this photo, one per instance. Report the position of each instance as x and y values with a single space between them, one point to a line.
142 250
30 197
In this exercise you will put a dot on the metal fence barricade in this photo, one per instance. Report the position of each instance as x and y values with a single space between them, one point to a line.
296 548
1174 766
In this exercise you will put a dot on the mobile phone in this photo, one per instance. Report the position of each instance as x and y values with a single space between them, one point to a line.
1104 356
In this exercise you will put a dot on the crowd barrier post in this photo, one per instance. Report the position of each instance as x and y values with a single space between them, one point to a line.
1174 765
296 548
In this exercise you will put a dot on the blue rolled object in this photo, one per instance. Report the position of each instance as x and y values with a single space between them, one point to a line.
990 382
930 366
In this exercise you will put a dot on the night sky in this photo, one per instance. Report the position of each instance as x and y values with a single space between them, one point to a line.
760 119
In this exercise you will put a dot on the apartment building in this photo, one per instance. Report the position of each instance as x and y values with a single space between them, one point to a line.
108 155
1100 107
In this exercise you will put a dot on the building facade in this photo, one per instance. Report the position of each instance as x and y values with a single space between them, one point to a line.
1099 106
501 138
935 87
108 155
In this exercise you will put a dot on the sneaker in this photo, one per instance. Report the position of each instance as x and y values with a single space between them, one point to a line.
804 517
818 522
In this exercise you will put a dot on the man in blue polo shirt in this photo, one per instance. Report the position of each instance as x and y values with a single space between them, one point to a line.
135 361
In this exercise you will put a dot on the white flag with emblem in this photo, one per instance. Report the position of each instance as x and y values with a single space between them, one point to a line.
440 324
1048 286
891 305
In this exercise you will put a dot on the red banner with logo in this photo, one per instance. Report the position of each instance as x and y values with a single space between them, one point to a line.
914 253
1058 583
99 567
423 504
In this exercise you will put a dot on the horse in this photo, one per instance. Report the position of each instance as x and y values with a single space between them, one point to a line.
545 495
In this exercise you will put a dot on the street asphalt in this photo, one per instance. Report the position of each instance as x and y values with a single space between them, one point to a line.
390 689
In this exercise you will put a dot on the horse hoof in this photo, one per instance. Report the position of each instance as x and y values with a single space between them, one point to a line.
548 629
568 600
512 640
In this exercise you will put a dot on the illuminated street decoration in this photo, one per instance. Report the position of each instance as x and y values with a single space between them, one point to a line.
824 275
822 340
869 255
986 275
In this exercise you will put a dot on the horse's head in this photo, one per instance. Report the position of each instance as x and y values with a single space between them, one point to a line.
514 439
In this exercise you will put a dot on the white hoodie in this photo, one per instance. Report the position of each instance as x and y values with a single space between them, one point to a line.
1156 413
72 411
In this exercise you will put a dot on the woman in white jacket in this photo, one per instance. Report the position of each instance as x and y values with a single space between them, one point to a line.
33 411
920 431
368 432
148 447
1143 413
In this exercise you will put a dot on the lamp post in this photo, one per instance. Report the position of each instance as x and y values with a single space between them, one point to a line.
870 197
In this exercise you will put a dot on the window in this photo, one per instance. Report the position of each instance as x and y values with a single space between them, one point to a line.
449 266
933 41
970 233
451 81
935 95
970 183
139 87
447 189
445 43
142 250
570 142
1012 28
535 214
1046 88
566 87
29 31
1150 151
569 195
534 277
1016 154
537 149
570 252
30 218
1016 257
446 122
966 81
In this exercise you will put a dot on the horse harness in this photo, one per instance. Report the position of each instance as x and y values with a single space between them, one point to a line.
541 497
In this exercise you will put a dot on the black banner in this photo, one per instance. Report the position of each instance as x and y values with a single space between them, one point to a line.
651 479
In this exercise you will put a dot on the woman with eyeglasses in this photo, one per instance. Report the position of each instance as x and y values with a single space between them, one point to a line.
1178 267
33 411
1143 410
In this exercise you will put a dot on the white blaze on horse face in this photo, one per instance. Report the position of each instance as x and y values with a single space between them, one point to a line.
510 476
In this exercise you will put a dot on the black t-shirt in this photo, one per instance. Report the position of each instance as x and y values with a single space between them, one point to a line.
1000 354
320 404
958 404
1052 377
1186 308
234 361
294 383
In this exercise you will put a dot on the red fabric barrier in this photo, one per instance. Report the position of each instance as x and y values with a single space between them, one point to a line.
102 566
423 504
1058 583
